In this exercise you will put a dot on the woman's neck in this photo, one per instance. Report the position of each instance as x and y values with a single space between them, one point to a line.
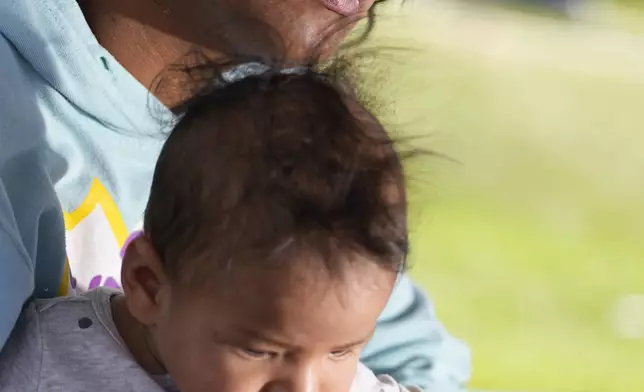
139 36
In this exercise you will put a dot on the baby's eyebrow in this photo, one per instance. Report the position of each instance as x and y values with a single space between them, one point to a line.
353 344
249 333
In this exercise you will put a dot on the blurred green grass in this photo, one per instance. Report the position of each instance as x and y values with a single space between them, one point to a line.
527 245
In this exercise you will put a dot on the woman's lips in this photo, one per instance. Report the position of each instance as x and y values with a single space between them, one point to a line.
342 7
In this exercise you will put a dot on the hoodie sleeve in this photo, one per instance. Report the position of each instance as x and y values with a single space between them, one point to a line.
32 232
411 345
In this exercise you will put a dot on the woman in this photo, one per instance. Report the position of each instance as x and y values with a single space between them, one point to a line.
76 130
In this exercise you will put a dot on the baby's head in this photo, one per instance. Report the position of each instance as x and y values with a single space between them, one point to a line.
274 234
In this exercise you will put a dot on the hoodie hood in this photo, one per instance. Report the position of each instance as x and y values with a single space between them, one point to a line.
55 39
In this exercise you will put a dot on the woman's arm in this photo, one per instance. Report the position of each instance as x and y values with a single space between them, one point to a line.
31 222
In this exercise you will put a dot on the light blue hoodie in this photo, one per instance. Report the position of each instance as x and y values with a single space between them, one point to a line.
77 130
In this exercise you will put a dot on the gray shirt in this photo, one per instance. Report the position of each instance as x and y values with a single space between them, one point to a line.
70 344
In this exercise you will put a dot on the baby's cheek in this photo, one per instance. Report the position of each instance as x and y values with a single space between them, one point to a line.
200 367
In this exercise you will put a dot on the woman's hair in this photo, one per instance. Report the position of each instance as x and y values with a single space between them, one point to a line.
180 79
274 166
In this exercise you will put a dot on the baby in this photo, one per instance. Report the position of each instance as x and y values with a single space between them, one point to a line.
273 237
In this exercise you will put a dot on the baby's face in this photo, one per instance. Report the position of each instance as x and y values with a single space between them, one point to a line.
286 329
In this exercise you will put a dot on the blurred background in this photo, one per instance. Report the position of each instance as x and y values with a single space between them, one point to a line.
532 243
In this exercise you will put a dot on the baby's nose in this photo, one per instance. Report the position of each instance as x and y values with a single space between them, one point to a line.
296 379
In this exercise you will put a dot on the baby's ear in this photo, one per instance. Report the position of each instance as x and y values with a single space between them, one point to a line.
144 280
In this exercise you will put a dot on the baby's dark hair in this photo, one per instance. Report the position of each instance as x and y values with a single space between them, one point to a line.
272 167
